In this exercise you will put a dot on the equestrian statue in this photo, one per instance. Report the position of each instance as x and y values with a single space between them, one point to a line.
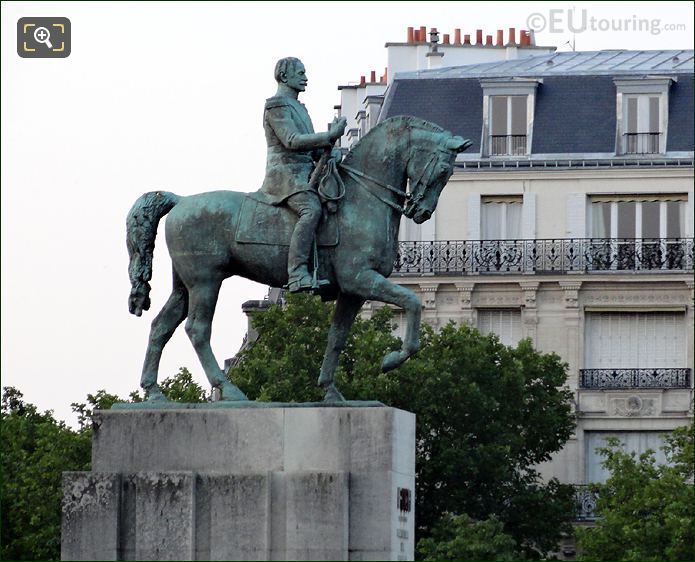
317 224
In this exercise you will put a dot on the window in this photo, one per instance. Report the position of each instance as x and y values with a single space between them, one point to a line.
642 114
641 117
508 107
647 231
500 218
508 125
634 340
505 323
632 441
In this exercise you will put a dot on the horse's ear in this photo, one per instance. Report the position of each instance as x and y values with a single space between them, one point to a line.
458 144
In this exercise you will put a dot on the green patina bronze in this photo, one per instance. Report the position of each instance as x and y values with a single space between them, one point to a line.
268 236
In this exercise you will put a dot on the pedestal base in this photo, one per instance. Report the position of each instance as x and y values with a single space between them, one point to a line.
244 484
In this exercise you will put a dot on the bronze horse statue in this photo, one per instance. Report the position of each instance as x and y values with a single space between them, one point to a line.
204 249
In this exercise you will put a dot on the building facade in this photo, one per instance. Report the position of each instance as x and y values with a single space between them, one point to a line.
569 221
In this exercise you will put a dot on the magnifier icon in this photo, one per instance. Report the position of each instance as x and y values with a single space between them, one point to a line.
42 35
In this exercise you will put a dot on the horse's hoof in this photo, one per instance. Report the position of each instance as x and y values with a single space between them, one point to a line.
232 393
155 394
391 361
333 394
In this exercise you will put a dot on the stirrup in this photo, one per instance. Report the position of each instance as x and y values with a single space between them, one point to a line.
305 283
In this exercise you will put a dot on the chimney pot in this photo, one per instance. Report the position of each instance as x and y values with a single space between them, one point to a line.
488 40
512 36
372 76
386 75
523 38
479 36
410 35
457 36
446 39
363 80
423 33
500 37
467 39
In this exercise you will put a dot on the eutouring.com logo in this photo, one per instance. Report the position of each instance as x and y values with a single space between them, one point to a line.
43 38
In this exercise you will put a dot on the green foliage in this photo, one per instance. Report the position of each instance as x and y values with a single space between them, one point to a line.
458 537
486 413
646 511
295 338
36 450
182 388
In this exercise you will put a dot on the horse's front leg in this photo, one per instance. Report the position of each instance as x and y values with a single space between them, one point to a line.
346 310
371 285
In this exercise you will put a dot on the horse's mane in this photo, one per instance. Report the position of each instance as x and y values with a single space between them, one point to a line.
403 121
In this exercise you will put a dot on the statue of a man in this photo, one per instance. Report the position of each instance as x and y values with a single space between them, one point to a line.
293 149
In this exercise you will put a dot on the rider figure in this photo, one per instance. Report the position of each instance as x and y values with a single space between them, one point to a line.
293 148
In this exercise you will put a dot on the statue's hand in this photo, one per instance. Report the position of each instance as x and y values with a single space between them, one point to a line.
337 128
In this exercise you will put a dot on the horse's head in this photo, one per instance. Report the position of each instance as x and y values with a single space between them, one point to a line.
430 165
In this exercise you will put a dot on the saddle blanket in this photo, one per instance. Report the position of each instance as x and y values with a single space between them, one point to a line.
262 223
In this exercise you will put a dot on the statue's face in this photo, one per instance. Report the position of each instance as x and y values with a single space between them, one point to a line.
296 78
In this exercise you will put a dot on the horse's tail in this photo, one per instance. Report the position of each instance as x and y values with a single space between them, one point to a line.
141 226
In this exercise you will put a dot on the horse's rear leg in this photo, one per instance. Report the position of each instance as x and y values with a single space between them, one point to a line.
346 310
163 326
371 285
201 308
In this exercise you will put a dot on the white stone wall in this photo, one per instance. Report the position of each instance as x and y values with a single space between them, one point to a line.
554 306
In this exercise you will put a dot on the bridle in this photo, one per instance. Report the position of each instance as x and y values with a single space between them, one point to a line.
360 178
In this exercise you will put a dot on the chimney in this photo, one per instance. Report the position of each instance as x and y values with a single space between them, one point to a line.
488 40
372 76
410 35
500 38
385 77
363 81
479 36
446 39
524 38
423 34
466 39
457 36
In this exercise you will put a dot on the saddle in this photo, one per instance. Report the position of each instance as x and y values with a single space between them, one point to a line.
263 223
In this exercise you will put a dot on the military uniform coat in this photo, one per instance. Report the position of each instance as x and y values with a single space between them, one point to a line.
292 145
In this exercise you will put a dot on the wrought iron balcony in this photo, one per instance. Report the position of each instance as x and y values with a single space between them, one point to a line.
507 145
586 503
607 379
482 257
641 143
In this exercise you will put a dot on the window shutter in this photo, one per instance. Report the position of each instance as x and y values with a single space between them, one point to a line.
474 216
634 340
528 217
576 215
505 323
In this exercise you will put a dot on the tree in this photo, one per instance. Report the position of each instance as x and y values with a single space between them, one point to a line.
645 511
458 537
486 413
36 450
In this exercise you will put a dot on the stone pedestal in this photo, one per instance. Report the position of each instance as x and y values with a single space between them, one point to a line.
283 483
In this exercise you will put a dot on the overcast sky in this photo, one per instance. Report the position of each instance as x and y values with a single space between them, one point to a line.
170 96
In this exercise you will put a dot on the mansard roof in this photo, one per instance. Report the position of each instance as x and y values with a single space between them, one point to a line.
575 109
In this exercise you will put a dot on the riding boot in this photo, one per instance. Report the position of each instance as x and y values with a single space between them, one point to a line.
308 208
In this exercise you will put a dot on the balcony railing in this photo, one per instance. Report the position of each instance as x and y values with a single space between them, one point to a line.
586 503
641 143
482 257
507 145
606 379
